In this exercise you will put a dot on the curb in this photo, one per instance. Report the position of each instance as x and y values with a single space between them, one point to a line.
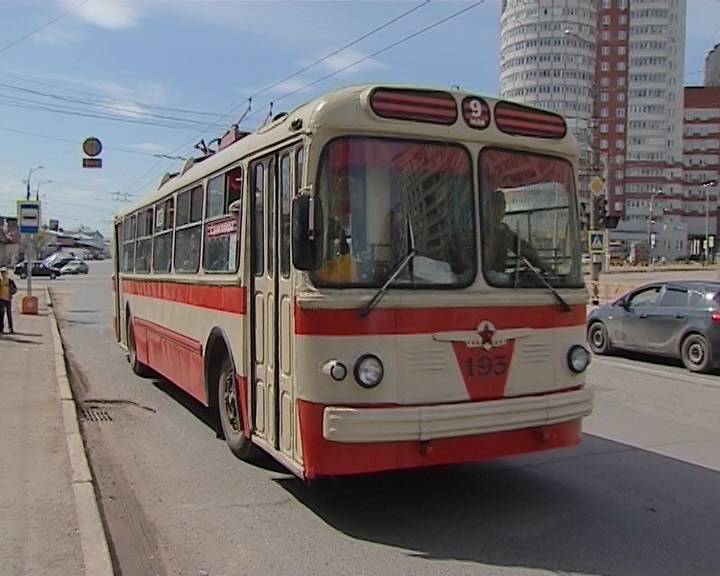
95 549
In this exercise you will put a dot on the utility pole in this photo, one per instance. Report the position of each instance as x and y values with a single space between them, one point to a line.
596 169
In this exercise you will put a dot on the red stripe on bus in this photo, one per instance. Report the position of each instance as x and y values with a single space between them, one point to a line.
392 321
172 355
324 458
223 298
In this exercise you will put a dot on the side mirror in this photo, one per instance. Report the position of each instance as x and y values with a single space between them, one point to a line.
307 232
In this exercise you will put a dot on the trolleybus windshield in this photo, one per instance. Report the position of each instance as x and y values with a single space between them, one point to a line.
374 191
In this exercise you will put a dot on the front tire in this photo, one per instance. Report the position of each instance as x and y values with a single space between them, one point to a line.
231 418
598 339
695 353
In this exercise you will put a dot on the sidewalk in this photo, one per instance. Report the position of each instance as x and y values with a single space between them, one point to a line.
42 529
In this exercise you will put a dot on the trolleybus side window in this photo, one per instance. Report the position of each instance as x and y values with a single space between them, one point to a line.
376 193
220 248
163 241
143 248
285 199
129 244
188 230
233 187
215 196
258 219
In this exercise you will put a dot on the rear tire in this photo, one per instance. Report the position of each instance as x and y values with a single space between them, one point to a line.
598 339
231 419
695 353
138 367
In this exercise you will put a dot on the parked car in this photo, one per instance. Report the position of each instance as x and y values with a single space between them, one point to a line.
672 319
58 259
38 269
75 267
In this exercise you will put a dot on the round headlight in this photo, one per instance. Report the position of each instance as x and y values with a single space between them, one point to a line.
369 371
578 359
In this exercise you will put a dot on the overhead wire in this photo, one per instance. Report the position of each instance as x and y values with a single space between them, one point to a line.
386 48
96 98
43 26
78 143
106 104
248 101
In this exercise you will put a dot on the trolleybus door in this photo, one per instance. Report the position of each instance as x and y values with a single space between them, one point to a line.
262 298
270 302
285 401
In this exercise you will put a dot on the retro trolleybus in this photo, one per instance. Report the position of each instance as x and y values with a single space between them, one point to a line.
383 278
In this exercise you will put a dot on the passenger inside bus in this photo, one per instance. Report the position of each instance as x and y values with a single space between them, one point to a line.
501 240
340 267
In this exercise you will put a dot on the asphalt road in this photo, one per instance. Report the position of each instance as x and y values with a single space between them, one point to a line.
640 497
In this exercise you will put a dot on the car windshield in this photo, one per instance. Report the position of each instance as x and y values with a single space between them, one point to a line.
529 210
380 194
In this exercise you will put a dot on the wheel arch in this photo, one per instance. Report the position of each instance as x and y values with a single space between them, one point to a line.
216 347
691 331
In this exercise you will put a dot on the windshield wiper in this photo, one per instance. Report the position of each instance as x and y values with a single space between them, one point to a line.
563 304
367 308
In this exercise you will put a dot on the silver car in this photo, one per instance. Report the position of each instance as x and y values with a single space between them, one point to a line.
74 267
671 319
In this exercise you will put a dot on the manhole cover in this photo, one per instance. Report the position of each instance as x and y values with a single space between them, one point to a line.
93 414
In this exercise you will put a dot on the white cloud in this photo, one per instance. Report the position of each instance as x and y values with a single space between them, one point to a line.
58 37
108 14
351 62
124 108
346 63
294 85
150 148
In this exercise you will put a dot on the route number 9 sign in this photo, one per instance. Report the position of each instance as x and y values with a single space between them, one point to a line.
476 112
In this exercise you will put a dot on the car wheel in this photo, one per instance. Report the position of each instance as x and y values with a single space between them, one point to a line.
695 353
598 338
53 276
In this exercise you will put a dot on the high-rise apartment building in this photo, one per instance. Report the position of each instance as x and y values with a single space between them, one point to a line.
547 57
629 57
701 159
712 67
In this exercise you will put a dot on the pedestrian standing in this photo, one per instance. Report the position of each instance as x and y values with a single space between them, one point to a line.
7 291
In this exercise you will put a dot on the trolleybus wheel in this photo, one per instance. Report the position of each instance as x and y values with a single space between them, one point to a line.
695 353
230 416
138 367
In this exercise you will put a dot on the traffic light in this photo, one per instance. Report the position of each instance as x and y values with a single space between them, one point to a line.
600 207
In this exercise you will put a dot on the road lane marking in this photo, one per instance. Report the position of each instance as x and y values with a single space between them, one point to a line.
688 378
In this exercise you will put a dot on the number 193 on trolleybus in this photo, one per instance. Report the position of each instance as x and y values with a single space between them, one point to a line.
384 278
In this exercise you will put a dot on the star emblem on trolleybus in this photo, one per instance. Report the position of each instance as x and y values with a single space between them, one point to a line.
486 336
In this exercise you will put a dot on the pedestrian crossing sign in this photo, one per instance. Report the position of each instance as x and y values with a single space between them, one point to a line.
596 239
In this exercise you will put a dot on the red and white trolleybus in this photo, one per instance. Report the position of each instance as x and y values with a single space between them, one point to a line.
383 278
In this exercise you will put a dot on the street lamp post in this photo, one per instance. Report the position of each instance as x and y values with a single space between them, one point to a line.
706 186
651 248
596 261
30 173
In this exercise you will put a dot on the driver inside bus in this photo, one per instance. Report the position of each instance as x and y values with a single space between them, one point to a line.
339 266
502 240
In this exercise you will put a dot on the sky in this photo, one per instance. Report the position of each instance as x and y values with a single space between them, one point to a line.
151 77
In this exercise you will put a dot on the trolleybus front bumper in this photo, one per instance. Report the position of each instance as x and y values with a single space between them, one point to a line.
425 423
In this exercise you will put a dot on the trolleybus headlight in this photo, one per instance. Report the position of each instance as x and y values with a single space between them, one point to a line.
336 370
369 371
578 359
